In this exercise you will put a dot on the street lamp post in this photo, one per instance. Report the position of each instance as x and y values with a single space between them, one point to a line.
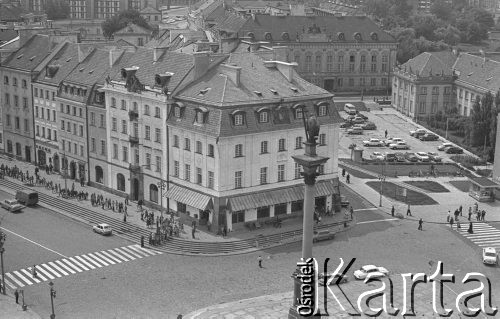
52 297
381 177
310 162
2 241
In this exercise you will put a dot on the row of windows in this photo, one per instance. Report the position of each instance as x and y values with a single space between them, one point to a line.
44 113
51 134
48 95
199 146
17 123
281 176
77 111
198 177
340 64
135 130
77 128
282 145
75 91
16 101
135 107
102 120
93 146
18 148
6 81
74 148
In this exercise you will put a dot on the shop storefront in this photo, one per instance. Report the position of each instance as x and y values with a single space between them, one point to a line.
482 189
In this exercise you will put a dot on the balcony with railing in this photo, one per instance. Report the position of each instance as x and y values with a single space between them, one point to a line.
135 168
133 115
133 139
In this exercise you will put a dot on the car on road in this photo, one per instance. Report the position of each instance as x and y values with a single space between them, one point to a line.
490 256
12 205
433 156
399 146
346 125
373 142
373 271
355 130
320 235
428 137
377 156
358 120
344 202
416 133
422 156
453 150
390 157
392 140
411 157
369 126
103 229
400 157
444 145
324 278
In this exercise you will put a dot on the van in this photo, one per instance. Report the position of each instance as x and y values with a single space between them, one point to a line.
27 197
350 109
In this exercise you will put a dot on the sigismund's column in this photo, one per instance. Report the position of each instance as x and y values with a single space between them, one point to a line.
310 162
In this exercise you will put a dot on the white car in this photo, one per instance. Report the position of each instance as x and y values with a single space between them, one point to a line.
373 271
490 256
444 145
12 205
103 229
418 132
392 140
377 156
373 142
433 156
422 156
399 146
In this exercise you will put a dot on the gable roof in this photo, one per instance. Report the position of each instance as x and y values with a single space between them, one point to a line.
149 10
7 34
132 29
478 71
431 62
31 54
331 26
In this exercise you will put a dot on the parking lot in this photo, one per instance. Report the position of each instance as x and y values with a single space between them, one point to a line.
397 126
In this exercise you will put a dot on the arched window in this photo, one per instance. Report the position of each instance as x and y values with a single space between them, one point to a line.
120 182
153 193
99 175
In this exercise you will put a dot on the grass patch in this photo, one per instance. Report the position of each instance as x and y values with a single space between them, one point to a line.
461 185
430 186
391 190
357 173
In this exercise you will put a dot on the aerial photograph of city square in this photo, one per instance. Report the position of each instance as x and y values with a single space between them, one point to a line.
249 159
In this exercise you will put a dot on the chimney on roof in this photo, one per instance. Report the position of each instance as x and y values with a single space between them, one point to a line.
233 72
287 69
157 53
201 62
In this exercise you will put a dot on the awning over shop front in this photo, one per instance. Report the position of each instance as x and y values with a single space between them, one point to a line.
284 195
189 197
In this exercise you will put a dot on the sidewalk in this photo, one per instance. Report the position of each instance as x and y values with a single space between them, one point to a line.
9 309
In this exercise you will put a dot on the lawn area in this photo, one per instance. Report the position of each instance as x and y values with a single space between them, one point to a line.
461 185
413 198
395 170
430 186
357 173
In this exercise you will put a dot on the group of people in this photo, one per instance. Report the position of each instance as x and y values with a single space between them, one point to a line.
348 177
106 203
458 213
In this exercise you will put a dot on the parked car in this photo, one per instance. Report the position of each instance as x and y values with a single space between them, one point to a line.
411 157
12 205
454 150
377 156
362 115
320 235
392 140
349 118
103 229
399 146
373 142
324 278
369 126
429 137
371 270
422 156
416 133
344 202
346 125
490 256
434 157
400 157
443 146
355 130
358 120
390 157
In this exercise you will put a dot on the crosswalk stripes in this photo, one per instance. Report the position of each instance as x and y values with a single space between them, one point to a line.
483 235
72 265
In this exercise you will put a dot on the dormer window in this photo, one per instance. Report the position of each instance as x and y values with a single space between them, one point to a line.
72 90
298 111
264 117
178 110
201 115
238 118
322 110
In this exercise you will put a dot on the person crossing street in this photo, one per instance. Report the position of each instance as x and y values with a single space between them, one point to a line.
420 222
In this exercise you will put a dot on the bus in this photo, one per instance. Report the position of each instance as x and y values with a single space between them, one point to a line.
350 109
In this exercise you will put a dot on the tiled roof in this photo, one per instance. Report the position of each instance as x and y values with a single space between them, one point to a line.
478 71
207 7
178 63
7 35
229 22
133 29
431 62
32 53
258 3
11 13
331 26
223 97
149 10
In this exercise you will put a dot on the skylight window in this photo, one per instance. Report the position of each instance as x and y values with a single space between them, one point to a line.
20 56
32 58
294 89
258 93
91 71
204 91
470 74
274 91
489 79
81 70
69 59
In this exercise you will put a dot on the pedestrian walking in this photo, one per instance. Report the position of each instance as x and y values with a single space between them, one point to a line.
224 231
260 261
125 217
348 178
193 231
448 217
460 209
126 200
343 172
142 241
420 222
483 214
33 272
16 294
470 213
470 231
352 213
458 224
408 211
392 210
451 222
385 133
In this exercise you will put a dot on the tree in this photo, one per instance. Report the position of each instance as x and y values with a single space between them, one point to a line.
441 9
425 24
494 118
401 8
378 8
481 120
449 35
57 10
121 20
406 40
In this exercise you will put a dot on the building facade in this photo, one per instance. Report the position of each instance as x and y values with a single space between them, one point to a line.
350 54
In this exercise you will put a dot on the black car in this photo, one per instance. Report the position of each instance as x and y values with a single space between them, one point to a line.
454 150
429 137
346 125
400 157
390 157
411 157
324 278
